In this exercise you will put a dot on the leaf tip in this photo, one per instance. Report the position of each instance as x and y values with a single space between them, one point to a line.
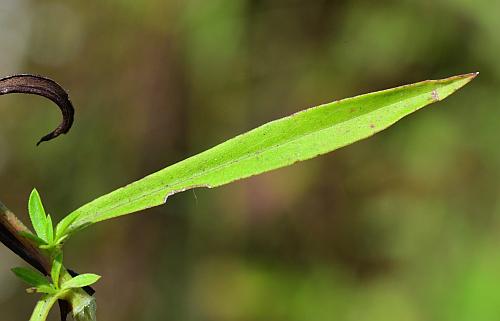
468 77
34 192
472 75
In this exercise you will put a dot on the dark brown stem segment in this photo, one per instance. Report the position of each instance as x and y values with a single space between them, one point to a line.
41 86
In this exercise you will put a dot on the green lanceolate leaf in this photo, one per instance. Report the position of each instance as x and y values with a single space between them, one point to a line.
301 136
63 226
55 271
49 234
80 281
47 289
37 215
33 278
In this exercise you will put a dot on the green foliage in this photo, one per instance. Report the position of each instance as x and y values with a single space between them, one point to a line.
80 281
55 271
70 289
31 277
62 228
302 136
46 289
37 215
41 222
49 230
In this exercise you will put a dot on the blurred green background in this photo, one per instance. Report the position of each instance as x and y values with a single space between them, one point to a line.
402 226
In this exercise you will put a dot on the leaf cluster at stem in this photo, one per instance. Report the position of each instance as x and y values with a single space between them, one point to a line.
61 285
47 237
40 284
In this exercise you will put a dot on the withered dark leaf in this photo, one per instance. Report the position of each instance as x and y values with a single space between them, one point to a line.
41 86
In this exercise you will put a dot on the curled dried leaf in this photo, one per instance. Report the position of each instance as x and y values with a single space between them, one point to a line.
41 86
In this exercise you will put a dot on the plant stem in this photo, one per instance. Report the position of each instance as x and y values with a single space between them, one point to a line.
42 308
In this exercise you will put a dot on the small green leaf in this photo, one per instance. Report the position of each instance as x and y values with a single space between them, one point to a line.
37 215
33 278
49 230
38 241
80 281
56 269
60 240
63 226
47 289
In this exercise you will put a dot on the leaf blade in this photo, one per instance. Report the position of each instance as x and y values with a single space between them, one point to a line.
37 215
31 277
49 230
47 289
280 143
55 270
62 227
80 281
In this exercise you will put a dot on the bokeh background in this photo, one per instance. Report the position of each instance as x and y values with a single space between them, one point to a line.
402 226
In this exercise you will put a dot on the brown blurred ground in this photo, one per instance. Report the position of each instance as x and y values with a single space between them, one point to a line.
402 226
